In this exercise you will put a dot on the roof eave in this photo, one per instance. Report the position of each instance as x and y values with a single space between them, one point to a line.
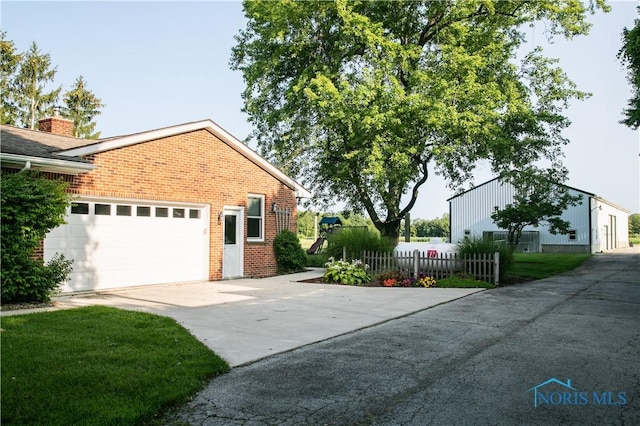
53 165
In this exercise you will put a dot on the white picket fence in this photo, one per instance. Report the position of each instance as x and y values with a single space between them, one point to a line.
483 267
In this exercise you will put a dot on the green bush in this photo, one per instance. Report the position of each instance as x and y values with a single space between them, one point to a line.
317 260
342 272
479 245
31 207
290 256
355 241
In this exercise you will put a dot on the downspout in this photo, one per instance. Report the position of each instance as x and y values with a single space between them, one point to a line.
450 230
590 226
27 166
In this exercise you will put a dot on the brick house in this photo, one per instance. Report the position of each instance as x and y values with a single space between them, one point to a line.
182 203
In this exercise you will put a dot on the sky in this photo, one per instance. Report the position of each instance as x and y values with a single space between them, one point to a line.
158 64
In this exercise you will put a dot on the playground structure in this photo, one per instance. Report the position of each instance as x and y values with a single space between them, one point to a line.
328 225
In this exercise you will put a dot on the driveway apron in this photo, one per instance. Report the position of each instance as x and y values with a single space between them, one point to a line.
249 319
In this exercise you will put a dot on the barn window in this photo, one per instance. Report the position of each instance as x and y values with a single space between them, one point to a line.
255 218
572 234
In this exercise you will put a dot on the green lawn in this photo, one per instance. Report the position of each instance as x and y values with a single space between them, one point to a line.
536 266
98 365
463 282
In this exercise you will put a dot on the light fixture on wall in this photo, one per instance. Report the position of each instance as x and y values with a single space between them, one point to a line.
220 218
273 207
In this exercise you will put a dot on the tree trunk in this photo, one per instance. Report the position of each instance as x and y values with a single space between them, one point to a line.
389 230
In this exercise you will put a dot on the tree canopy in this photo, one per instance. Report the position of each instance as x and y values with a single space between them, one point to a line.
9 61
630 56
32 98
359 98
25 80
634 224
81 107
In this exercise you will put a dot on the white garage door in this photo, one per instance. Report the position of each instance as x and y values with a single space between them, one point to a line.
116 243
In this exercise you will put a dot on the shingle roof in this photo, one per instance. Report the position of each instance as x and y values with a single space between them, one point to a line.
33 143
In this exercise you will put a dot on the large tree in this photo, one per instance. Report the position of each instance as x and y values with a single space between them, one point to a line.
81 107
33 99
539 199
361 98
9 61
630 56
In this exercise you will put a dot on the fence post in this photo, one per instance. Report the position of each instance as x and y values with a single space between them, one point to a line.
416 263
496 268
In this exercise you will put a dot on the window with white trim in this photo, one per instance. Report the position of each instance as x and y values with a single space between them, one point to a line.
255 217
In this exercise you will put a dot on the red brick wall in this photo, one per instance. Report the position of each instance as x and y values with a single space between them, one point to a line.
56 125
194 167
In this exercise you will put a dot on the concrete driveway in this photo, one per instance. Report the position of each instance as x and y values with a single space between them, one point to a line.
564 350
249 319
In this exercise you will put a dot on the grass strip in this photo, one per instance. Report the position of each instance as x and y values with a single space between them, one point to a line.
98 365
462 282
536 266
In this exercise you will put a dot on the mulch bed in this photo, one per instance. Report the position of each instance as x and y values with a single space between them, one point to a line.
318 280
504 282
17 306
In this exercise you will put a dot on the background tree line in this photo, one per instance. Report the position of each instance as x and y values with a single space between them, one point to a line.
438 227
27 97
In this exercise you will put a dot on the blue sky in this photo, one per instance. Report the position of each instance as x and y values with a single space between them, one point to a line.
157 64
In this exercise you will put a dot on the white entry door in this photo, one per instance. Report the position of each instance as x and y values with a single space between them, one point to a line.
233 256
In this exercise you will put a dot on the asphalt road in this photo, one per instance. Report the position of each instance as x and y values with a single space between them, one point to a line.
569 344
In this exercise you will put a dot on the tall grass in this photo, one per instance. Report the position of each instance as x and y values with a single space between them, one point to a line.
479 245
354 241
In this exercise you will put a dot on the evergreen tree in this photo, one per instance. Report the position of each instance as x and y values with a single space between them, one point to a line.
33 102
81 107
9 61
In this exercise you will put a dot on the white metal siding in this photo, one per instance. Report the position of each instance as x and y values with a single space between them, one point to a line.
472 211
605 238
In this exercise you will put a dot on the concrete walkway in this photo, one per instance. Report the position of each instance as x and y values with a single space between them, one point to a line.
249 319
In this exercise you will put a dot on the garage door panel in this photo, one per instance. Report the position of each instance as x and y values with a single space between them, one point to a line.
111 251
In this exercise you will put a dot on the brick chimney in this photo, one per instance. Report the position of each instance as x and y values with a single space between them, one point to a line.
56 124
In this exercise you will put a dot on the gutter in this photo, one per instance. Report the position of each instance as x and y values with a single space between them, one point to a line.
45 164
